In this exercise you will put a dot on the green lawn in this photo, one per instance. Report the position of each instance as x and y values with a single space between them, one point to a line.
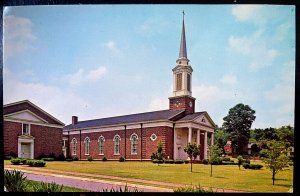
224 176
64 189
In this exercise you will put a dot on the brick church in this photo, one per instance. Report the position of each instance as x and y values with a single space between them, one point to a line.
136 136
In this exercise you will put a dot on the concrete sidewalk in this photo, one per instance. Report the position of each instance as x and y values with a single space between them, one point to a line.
117 181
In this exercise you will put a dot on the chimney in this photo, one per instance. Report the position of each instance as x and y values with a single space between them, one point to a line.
74 120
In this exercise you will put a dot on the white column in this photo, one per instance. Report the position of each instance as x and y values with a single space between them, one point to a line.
205 145
190 135
32 150
198 141
198 136
212 139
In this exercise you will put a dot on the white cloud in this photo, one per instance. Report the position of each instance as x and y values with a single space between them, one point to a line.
17 36
158 104
112 46
96 74
282 31
229 79
152 26
246 12
253 47
59 103
82 76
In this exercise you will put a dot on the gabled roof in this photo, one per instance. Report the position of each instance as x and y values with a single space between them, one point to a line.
194 116
132 118
27 105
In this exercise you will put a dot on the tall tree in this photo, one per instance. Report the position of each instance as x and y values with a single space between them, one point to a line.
276 159
193 151
221 138
213 154
238 123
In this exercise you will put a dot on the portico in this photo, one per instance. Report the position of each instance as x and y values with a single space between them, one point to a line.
196 131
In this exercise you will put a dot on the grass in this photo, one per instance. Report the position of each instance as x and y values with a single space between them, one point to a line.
224 176
64 189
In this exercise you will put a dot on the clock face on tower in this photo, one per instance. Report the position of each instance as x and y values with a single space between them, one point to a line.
191 104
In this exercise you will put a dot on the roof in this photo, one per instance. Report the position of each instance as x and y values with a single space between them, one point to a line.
182 50
191 116
132 118
27 105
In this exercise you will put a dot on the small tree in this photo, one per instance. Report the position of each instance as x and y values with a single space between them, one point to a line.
213 155
276 159
240 161
193 151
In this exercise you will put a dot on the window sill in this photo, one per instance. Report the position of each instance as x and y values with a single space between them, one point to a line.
101 154
134 153
87 154
117 154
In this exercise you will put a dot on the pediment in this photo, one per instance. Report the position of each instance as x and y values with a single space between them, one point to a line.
205 120
26 115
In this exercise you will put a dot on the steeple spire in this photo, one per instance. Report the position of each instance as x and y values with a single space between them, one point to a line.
182 50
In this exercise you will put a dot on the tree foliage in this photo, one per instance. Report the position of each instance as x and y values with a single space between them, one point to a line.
192 150
221 137
275 159
238 123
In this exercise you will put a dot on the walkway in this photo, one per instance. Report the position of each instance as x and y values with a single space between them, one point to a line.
88 182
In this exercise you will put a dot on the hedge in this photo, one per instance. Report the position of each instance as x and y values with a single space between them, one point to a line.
252 166
47 159
171 161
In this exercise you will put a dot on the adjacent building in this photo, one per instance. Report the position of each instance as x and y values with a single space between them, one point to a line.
30 132
136 136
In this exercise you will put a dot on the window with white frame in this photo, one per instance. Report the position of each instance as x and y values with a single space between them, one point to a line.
74 141
25 129
117 144
87 146
101 141
134 143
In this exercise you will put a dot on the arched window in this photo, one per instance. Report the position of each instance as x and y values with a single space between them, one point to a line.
101 141
117 144
134 143
87 146
74 141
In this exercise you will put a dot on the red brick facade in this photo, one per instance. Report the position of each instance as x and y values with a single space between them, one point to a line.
145 145
47 140
182 102
43 138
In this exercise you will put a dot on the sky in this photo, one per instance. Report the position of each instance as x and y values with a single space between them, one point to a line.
95 61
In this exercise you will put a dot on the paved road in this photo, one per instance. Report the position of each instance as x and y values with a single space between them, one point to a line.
90 184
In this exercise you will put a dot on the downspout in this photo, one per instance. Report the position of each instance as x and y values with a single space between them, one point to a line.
79 144
141 141
125 142
173 132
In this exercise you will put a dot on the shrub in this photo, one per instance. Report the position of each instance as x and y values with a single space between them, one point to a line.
69 159
104 159
186 161
47 187
252 166
246 161
217 161
229 163
15 181
15 161
52 155
225 159
61 157
75 158
178 161
205 161
121 159
291 163
89 158
157 161
47 159
23 161
36 163
193 189
7 157
170 161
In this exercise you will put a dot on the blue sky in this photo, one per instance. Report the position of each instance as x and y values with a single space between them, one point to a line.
98 61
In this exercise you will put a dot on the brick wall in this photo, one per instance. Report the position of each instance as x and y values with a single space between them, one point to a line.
164 134
10 136
182 103
47 139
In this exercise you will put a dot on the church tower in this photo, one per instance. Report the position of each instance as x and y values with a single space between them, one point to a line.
182 80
